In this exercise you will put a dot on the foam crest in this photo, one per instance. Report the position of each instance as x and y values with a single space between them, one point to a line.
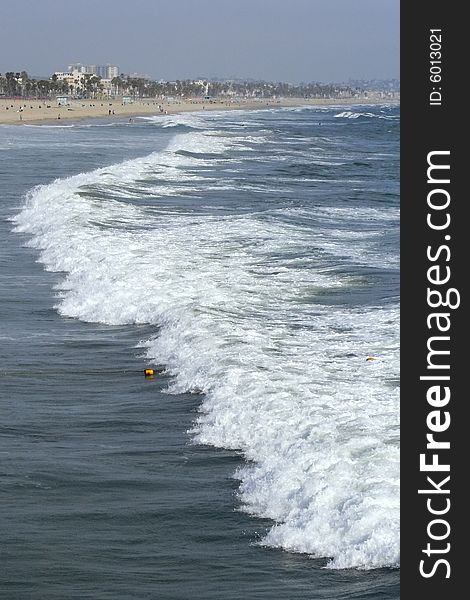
348 114
193 120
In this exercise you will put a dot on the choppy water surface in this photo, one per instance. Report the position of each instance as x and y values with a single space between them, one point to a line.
253 258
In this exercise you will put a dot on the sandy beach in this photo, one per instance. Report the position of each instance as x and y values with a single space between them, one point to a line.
21 111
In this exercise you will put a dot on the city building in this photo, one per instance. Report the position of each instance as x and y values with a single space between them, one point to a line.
113 71
66 76
104 71
77 74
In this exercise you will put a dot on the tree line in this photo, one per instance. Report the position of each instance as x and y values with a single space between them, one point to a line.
19 84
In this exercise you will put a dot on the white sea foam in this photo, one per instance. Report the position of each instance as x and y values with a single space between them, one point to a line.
191 119
351 114
238 303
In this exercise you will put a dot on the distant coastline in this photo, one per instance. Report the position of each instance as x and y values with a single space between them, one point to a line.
26 111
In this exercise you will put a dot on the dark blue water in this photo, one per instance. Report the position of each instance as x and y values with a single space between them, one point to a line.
249 245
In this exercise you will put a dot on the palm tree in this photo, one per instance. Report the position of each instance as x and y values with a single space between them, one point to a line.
94 83
11 83
118 84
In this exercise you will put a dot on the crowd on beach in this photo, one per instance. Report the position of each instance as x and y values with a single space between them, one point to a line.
20 110
44 104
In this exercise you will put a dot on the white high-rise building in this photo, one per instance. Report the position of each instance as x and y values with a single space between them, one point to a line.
103 71
113 71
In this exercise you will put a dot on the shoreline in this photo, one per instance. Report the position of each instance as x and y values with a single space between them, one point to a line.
20 111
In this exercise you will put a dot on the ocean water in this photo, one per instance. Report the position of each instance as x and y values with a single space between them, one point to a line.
251 258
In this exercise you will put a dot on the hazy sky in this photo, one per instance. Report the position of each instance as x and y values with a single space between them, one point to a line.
281 40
